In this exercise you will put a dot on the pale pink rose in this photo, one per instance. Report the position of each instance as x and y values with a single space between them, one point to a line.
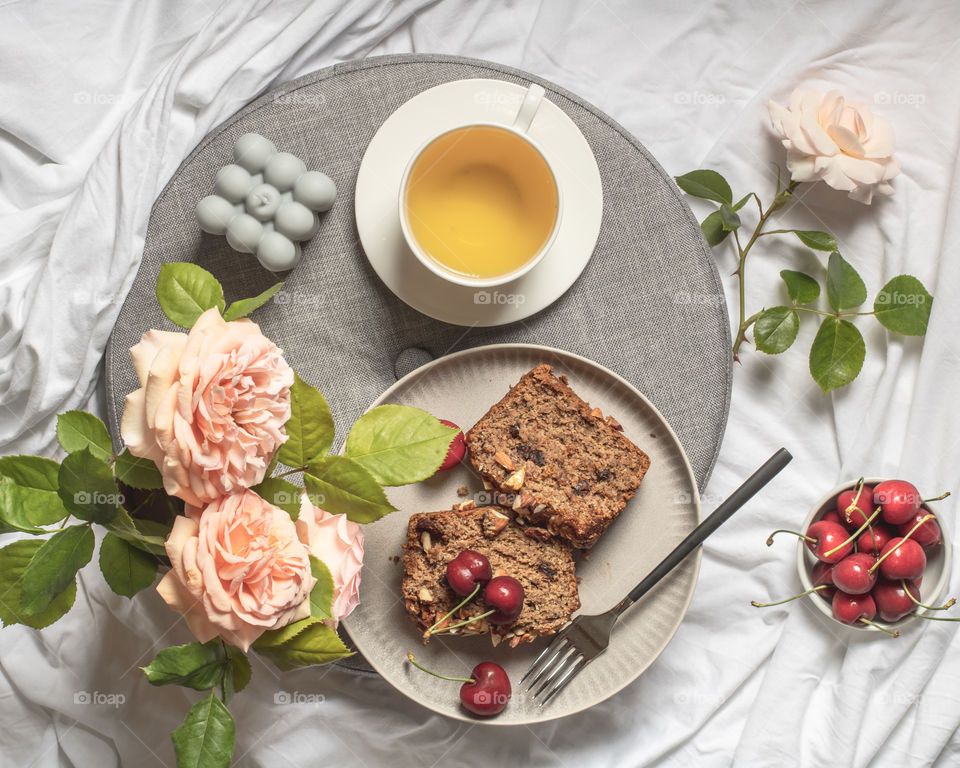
338 542
211 407
237 570
841 142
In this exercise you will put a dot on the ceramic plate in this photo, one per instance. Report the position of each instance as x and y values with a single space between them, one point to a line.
378 219
461 387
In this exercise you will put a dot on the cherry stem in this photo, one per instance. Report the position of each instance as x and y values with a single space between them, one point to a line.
465 622
855 534
941 497
859 489
934 618
945 606
856 505
418 665
786 530
456 608
755 604
919 522
891 632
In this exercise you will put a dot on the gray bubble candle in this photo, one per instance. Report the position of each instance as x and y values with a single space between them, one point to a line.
266 203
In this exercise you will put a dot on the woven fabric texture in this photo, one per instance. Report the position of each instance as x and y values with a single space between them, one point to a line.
649 304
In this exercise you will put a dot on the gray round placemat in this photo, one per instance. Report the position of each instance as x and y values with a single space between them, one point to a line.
649 305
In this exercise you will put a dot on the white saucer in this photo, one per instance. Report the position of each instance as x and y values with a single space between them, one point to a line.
378 222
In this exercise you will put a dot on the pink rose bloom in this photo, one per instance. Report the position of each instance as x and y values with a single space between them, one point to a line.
841 142
237 570
211 407
338 542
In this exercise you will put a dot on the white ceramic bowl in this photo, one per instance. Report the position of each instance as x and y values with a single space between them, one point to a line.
936 576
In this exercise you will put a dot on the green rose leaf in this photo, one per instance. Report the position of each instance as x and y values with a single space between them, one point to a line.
399 444
801 288
77 430
126 569
280 493
902 306
712 228
845 289
87 488
302 644
137 472
244 307
707 184
728 219
206 737
185 291
743 201
776 329
238 670
195 665
341 486
13 513
310 427
836 356
135 532
321 597
32 492
819 241
54 567
14 559
31 471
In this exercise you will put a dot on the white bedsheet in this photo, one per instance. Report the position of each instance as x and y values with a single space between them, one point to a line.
99 103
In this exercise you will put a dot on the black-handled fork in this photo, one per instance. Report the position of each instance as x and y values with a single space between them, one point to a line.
586 637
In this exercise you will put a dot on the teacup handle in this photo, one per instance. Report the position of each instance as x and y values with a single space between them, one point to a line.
528 109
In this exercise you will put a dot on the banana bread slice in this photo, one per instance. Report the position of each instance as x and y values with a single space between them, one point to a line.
555 460
542 563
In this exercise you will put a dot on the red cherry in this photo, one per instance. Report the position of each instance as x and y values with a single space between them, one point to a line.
902 559
850 609
457 448
849 502
853 574
899 500
466 570
833 516
489 692
823 574
893 602
829 536
875 542
505 595
927 535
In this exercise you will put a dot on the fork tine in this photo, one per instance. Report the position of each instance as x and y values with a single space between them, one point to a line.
569 655
555 662
564 681
552 648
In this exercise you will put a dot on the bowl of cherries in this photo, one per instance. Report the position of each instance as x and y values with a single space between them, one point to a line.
873 556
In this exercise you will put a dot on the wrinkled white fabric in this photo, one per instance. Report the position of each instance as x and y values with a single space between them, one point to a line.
99 103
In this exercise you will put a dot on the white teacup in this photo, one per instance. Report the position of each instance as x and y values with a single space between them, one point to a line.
479 203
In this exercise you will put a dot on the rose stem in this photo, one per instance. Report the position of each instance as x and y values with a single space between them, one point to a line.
755 604
945 606
853 536
891 632
418 665
919 522
456 608
779 200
